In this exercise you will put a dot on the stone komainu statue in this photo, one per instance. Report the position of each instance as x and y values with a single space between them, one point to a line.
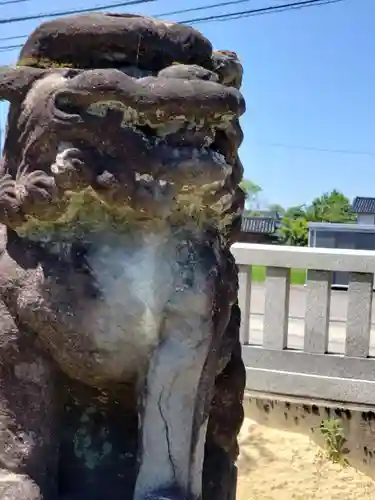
120 365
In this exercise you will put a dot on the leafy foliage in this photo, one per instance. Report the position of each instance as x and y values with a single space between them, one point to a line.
329 207
252 191
294 231
334 437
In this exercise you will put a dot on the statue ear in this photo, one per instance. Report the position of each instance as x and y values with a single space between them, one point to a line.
15 82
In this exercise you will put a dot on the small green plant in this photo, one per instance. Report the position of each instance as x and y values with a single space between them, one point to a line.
334 437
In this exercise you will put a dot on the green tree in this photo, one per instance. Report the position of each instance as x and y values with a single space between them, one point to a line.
293 231
276 208
252 191
297 211
330 207
333 206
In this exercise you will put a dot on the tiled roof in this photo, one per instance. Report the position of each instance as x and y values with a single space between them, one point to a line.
267 213
363 205
264 225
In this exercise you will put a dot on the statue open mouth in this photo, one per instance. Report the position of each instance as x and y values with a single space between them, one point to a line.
150 148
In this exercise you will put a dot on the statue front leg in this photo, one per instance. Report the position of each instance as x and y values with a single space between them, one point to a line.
171 458
28 417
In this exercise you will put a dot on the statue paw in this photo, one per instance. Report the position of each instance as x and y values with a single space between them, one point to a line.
30 193
35 189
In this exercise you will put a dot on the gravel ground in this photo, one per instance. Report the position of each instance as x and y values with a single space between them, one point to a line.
280 465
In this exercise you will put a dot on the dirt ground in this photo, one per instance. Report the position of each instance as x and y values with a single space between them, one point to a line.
280 465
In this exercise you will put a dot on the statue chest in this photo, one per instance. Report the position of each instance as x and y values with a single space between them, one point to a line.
132 284
103 324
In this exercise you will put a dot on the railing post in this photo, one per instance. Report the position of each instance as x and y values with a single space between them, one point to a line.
313 374
358 323
244 297
276 308
318 302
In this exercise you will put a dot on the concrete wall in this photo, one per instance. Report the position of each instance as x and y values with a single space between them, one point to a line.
366 219
359 426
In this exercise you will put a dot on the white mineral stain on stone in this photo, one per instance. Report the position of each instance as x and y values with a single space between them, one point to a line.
25 443
172 385
134 275
196 470
63 150
11 478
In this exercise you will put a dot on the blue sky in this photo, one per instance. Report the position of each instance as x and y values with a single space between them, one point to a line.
309 85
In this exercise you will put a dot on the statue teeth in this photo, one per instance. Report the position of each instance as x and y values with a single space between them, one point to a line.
143 177
100 108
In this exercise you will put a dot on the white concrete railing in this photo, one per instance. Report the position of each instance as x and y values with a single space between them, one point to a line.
310 371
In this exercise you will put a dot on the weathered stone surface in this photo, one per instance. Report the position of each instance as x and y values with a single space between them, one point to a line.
108 39
227 66
120 365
